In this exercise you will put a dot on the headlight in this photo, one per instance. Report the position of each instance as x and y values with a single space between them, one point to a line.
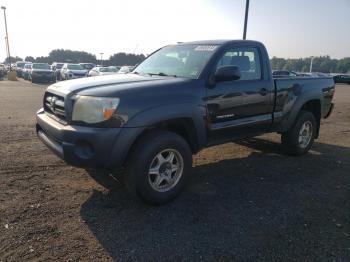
94 110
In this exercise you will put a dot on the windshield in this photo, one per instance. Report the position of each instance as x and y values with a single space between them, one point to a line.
185 61
20 65
108 69
125 69
88 66
41 66
28 66
59 66
75 67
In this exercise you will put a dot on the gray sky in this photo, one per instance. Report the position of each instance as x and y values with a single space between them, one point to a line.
289 28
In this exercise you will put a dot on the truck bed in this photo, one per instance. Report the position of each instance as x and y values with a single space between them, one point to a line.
293 91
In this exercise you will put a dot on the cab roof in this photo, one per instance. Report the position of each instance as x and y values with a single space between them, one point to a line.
221 42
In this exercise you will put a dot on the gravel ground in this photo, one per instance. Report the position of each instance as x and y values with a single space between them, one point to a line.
244 201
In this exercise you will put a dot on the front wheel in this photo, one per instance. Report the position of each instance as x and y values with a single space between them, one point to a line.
158 167
299 139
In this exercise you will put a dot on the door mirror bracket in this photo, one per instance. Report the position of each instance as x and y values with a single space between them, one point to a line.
227 73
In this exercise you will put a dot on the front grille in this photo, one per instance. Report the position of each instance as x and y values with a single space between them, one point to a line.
79 74
42 73
54 105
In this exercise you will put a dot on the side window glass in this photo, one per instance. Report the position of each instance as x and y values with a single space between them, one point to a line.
247 59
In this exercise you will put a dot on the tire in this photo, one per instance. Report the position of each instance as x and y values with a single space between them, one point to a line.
291 139
146 155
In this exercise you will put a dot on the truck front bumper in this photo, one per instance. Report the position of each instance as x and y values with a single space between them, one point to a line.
85 146
44 78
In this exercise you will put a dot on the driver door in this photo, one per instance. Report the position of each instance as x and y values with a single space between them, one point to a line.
240 108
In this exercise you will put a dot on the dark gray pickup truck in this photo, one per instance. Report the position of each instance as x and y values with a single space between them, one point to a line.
181 99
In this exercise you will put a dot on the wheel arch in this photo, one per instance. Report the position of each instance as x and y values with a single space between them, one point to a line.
183 126
311 104
314 106
187 123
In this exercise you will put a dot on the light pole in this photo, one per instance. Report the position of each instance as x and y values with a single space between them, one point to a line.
7 51
7 36
312 59
246 19
101 59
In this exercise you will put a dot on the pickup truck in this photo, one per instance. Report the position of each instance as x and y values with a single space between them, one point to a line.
179 100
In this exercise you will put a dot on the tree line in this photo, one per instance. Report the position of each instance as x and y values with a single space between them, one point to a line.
323 64
70 56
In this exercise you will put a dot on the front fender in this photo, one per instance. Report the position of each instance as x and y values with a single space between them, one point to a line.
155 115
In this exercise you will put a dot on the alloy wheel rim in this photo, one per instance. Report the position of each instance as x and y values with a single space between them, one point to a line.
165 170
305 134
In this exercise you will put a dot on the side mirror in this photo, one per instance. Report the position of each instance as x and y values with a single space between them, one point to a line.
227 73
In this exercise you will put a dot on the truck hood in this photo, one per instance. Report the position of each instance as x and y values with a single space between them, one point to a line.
106 83
107 73
84 71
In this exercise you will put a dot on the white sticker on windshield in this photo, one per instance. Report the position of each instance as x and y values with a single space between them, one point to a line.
205 48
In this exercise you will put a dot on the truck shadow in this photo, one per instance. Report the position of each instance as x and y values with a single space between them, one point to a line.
266 205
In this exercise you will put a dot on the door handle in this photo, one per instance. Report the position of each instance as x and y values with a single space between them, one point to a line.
263 91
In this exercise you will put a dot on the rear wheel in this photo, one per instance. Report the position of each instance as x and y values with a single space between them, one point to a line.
158 167
299 139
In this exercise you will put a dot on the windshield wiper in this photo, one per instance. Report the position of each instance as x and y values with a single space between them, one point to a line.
160 74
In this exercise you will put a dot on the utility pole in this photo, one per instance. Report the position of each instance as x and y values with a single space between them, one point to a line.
7 36
101 59
312 59
7 51
246 19
137 45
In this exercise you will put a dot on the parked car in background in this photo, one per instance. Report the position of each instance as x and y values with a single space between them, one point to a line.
283 73
41 72
99 71
318 74
2 71
342 79
304 74
126 69
19 68
56 68
88 66
73 71
117 68
26 70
